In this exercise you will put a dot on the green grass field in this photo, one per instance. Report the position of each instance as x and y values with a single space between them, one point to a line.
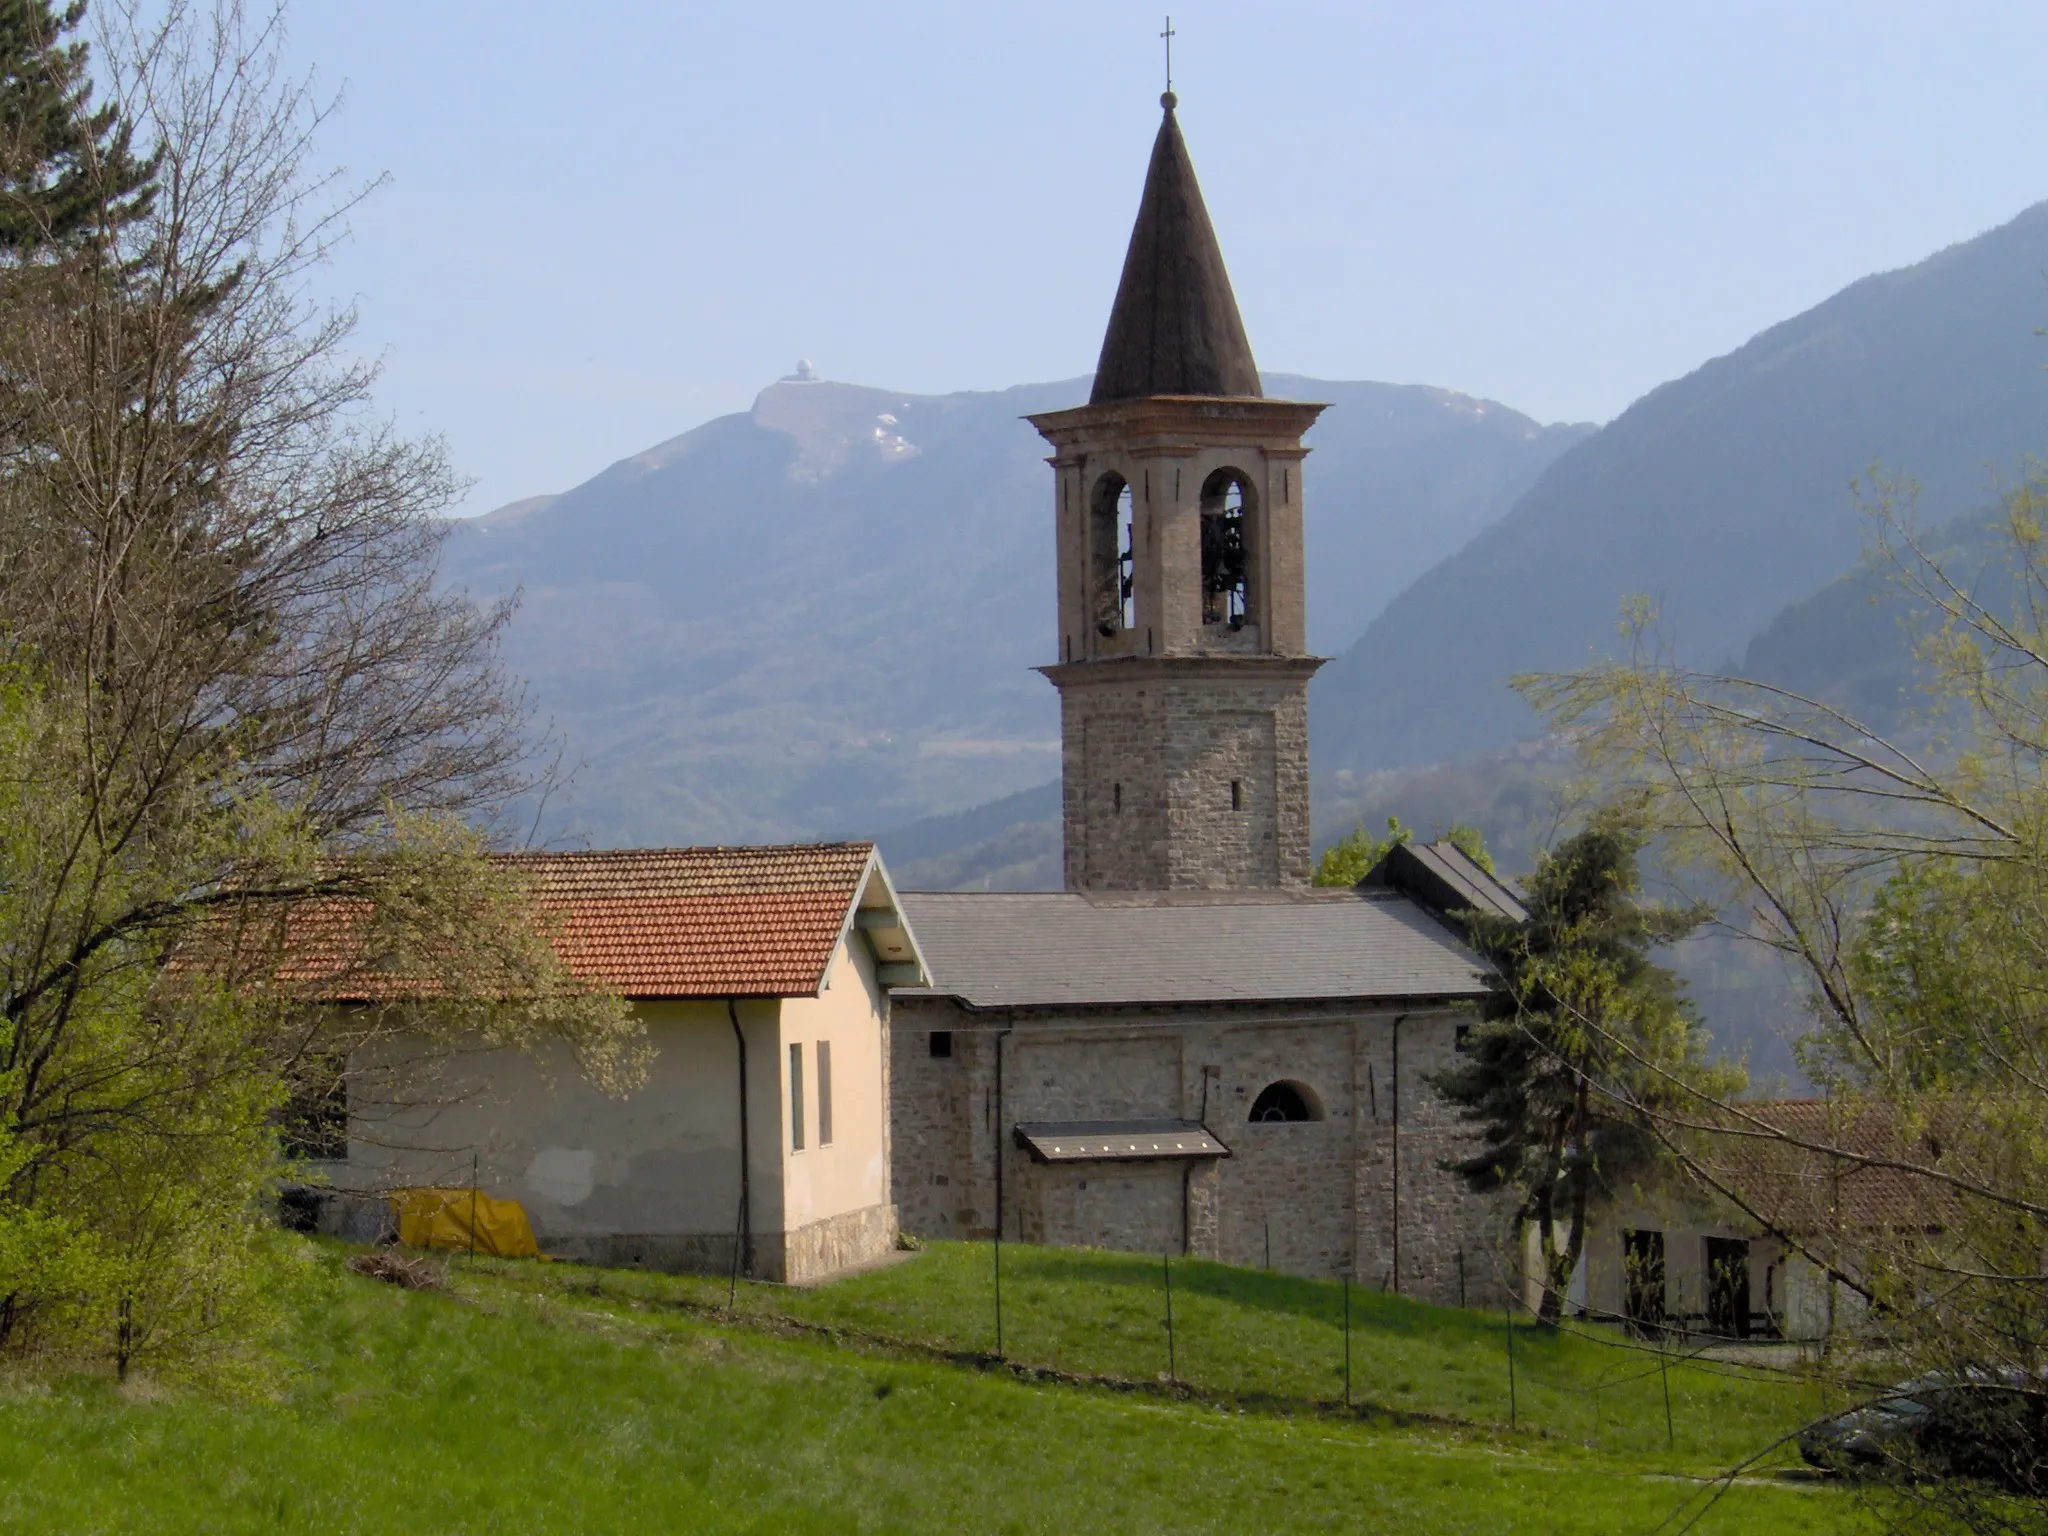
551 1398
1273 1342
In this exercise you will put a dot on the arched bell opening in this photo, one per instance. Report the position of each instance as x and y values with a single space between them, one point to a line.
1113 590
1228 512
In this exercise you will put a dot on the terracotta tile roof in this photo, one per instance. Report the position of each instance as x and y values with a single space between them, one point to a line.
647 923
1800 1190
700 922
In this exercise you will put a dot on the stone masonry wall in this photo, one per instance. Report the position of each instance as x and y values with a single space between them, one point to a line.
836 1244
1135 1207
1419 1230
1286 1189
1319 1196
934 1103
1194 779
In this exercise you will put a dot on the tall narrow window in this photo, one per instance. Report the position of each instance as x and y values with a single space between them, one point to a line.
1113 595
796 1098
1727 1278
824 1093
1642 1294
1226 550
315 1117
1126 561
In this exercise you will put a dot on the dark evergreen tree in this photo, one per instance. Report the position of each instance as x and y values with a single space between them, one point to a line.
1581 1033
68 169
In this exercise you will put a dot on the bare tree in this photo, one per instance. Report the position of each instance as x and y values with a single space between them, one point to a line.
1906 881
236 708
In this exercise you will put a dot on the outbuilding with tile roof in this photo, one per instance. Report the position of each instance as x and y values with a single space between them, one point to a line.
761 1132
1774 1220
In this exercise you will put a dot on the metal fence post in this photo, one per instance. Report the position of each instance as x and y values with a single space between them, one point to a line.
1347 1340
1172 1356
1508 1313
1664 1371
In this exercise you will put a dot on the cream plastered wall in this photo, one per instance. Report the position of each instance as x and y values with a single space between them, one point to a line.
852 1173
664 1160
1782 1283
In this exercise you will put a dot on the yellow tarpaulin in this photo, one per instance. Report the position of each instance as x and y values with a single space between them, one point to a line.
443 1218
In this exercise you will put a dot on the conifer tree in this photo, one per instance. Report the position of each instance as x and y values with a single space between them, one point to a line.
67 168
1581 1028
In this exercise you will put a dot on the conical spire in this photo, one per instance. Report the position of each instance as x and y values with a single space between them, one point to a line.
1175 329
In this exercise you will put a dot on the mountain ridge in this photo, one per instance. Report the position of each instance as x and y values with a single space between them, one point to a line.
1723 495
821 616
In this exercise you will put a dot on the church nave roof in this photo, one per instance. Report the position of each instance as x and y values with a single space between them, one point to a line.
1035 949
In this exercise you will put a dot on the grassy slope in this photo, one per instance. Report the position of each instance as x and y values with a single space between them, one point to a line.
1275 1342
525 1402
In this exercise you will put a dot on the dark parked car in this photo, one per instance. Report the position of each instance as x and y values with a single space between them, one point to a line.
1943 1424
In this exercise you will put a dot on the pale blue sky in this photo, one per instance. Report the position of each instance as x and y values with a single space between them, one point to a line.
609 222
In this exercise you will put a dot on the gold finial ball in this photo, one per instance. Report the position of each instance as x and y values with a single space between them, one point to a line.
1168 100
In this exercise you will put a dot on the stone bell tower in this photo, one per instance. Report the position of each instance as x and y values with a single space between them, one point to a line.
1183 659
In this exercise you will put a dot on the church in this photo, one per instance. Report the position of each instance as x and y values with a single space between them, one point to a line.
1190 1049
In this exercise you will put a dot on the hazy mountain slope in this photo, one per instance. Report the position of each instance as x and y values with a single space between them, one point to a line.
1401 477
1011 844
1852 643
820 616
1725 495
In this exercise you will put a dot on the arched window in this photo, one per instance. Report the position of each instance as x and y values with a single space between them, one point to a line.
1278 1102
1110 529
1226 549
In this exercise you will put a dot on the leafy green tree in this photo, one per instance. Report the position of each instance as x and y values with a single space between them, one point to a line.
1348 860
1578 1024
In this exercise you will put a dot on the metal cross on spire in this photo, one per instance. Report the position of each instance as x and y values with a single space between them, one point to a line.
1168 35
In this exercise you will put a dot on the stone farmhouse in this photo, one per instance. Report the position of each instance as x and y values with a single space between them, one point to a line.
1190 1050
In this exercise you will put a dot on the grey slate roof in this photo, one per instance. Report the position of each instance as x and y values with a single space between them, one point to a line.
1441 876
997 949
1174 329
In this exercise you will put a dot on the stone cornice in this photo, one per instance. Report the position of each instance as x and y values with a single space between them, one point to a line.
1192 421
1126 669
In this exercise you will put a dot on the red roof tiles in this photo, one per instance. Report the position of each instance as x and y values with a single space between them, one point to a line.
700 922
1829 1173
646 923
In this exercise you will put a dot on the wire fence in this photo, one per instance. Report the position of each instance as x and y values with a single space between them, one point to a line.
1250 1339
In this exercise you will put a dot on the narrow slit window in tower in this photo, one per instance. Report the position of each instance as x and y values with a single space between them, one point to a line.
1226 550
